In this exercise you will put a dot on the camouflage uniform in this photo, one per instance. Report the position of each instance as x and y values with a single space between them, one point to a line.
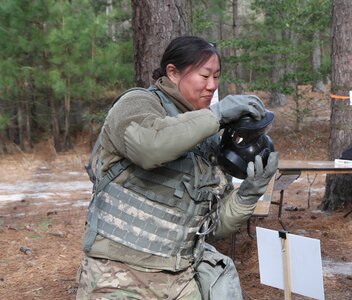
138 128
107 279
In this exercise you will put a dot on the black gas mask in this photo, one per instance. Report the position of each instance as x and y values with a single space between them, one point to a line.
242 141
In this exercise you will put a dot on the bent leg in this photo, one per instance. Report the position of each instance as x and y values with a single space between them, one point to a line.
105 279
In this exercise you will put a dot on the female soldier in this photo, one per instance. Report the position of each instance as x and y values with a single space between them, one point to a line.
159 193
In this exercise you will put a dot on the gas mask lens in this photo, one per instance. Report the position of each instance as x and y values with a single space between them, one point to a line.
242 141
242 137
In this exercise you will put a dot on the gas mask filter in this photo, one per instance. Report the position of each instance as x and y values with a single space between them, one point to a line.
242 141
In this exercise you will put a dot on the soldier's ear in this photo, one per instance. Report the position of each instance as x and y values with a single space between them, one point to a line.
173 74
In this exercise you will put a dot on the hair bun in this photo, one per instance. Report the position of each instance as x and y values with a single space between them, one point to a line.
157 73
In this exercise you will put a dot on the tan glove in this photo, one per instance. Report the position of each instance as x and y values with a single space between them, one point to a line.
255 185
233 107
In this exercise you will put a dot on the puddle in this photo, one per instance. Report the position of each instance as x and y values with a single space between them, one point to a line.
57 204
331 268
57 189
40 190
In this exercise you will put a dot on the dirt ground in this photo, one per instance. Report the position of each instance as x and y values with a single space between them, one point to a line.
44 197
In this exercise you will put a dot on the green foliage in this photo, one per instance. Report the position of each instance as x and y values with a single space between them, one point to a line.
281 36
59 48
34 236
207 14
4 120
200 20
325 67
44 224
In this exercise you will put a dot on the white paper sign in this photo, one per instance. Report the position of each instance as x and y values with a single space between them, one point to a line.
304 258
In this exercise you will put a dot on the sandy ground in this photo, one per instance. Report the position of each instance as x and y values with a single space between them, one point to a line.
43 201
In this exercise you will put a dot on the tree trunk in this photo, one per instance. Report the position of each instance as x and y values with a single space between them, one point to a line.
155 24
13 126
338 191
3 142
291 39
318 85
111 30
28 119
55 132
4 121
20 124
238 72
67 138
277 98
55 129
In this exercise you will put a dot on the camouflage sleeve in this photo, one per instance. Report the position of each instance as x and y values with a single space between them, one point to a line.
232 215
139 130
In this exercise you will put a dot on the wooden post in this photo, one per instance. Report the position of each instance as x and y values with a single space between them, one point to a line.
286 264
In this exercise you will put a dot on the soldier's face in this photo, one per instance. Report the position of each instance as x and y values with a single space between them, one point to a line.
198 86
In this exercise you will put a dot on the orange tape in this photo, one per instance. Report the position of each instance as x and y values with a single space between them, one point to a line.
339 97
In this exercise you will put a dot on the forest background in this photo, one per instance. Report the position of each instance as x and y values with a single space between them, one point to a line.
63 62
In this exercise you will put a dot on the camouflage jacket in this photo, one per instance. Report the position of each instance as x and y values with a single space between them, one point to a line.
139 129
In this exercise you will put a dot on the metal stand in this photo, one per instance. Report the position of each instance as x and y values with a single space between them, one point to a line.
280 209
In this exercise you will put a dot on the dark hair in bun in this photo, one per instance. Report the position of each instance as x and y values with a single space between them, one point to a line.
185 51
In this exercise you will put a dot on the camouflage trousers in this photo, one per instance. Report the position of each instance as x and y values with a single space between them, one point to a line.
106 279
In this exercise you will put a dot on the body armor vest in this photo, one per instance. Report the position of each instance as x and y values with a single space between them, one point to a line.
162 211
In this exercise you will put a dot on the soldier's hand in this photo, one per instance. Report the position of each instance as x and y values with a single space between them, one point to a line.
233 107
255 185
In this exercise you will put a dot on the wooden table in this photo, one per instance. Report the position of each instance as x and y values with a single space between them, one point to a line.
289 167
290 170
